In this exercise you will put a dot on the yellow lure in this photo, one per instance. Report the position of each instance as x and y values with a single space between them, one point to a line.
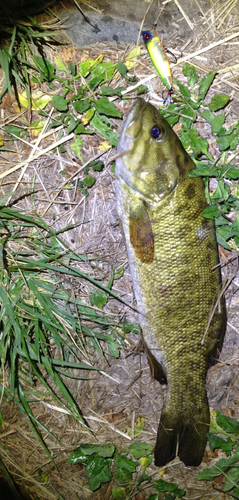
158 57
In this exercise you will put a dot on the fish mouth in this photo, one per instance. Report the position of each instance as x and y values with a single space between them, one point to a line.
126 140
136 111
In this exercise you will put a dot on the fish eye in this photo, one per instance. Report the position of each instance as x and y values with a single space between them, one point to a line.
146 36
157 132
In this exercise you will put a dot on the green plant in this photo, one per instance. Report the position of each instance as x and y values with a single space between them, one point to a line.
228 468
38 312
104 463
19 47
38 315
191 104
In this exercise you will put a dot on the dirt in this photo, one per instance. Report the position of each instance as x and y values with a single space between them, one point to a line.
112 401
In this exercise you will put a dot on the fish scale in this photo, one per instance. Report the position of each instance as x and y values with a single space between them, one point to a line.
172 251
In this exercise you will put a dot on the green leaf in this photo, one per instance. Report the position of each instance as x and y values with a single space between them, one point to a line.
131 327
76 146
183 89
113 348
227 170
144 477
104 126
221 466
103 476
81 106
222 192
232 478
80 129
87 449
12 129
122 462
190 137
222 236
95 82
97 471
89 181
228 424
98 298
72 125
123 70
233 136
109 91
98 165
162 486
60 64
212 472
142 89
190 72
85 192
59 103
123 475
172 120
105 70
187 122
140 449
46 68
78 457
216 121
204 170
72 68
146 461
104 451
118 493
104 107
85 67
216 442
223 143
218 101
119 272
211 212
205 84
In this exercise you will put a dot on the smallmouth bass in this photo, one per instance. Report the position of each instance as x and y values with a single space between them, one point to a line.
172 251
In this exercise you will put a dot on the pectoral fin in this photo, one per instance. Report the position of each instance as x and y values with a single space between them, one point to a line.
141 233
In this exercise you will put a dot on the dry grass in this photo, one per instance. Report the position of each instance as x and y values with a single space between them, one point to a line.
112 401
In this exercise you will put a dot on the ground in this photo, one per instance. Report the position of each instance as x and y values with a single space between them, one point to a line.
113 400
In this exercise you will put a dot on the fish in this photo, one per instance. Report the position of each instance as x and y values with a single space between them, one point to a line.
173 259
159 59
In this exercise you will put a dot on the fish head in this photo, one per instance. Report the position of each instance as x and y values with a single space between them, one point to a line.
150 153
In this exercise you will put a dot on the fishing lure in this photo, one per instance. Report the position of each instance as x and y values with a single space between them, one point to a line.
159 59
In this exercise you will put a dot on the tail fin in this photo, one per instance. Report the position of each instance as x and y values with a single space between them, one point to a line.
181 436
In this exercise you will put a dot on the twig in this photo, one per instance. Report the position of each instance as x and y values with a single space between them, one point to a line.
103 421
43 152
184 15
31 155
209 47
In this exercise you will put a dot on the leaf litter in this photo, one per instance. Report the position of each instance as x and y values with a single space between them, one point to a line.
111 401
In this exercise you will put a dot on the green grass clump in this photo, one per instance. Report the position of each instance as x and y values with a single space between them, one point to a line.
22 42
39 317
